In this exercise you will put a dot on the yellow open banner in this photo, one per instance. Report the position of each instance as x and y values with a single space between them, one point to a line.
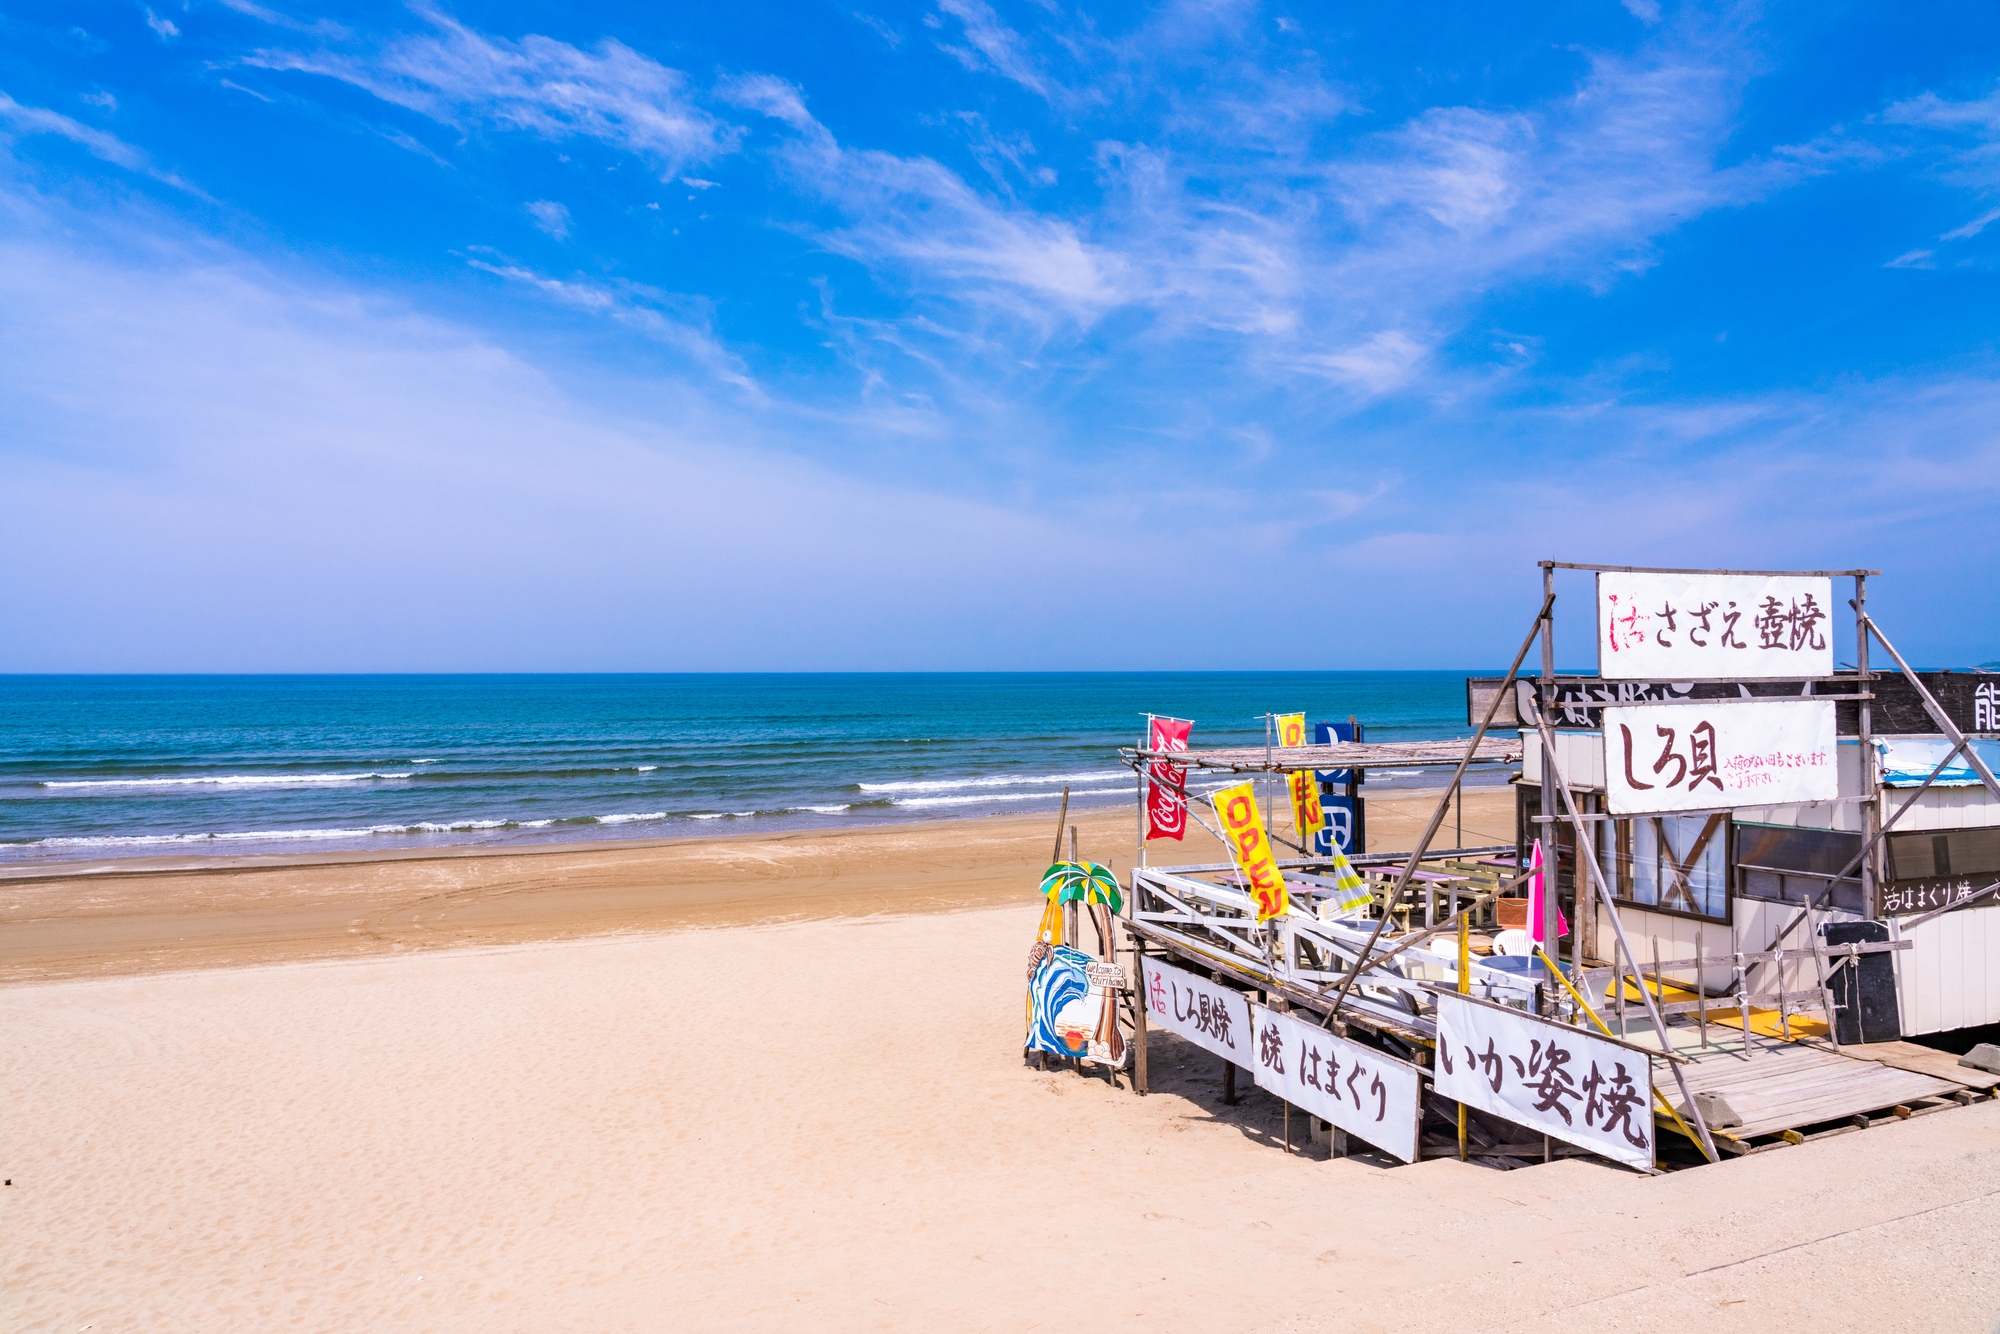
1243 828
1291 729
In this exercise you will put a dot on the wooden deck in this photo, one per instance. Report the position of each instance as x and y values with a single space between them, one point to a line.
1789 1087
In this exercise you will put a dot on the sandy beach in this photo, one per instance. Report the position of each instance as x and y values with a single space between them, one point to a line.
552 1091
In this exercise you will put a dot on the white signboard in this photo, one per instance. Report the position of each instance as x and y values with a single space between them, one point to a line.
1369 1095
1692 627
1567 1083
1696 757
1205 1013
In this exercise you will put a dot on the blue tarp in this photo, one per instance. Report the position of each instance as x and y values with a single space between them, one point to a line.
1908 761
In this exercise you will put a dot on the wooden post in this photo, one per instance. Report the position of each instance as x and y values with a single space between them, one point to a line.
1464 989
1813 942
1700 986
1743 1002
1229 1098
1139 1073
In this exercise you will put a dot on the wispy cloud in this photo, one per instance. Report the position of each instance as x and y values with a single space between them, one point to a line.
678 323
162 28
458 76
98 143
550 216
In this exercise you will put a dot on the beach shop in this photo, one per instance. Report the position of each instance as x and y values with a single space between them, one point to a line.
1742 879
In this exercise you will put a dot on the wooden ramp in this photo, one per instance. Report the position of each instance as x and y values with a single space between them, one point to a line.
1924 1060
1787 1087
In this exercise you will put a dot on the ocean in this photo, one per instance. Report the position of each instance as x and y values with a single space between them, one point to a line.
107 766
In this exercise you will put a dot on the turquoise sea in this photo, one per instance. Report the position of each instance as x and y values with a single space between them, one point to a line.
104 766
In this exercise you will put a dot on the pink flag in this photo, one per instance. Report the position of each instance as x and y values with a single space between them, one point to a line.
1535 882
1166 795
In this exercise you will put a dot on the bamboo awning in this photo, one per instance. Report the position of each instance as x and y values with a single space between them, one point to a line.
1340 755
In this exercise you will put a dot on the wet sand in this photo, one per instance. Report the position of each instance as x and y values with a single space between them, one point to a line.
208 913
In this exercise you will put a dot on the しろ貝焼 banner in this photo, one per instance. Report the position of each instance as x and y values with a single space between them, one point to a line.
1250 848
1206 1013
1712 756
1291 728
1571 1085
1166 792
1357 1088
1693 627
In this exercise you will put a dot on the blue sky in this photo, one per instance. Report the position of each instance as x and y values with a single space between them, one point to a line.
957 335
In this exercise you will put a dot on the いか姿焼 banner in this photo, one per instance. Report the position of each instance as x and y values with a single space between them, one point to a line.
1565 1082
1250 846
1713 756
1694 627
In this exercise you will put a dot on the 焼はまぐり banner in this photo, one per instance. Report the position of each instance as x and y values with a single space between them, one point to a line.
1693 627
1692 757
1359 1089
1564 1082
1250 847
1206 1013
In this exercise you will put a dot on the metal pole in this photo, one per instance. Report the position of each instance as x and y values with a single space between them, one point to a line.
1140 768
1361 960
1936 710
1588 858
1551 872
1871 810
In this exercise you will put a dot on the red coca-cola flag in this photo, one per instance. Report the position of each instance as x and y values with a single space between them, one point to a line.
1166 795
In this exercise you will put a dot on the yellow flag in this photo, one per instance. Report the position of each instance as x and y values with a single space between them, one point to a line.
1236 807
1291 729
1306 812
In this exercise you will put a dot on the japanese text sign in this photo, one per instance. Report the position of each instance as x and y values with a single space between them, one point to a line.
1567 1083
1243 830
1360 1090
1205 1013
1690 627
1694 757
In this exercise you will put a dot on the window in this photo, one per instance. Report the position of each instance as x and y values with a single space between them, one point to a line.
1791 865
1669 863
1943 854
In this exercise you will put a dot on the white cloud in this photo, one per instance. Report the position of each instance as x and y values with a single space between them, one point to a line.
994 45
164 29
1973 228
1646 11
643 309
538 85
99 144
550 217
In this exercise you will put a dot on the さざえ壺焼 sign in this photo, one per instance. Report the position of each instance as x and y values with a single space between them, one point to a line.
1692 627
